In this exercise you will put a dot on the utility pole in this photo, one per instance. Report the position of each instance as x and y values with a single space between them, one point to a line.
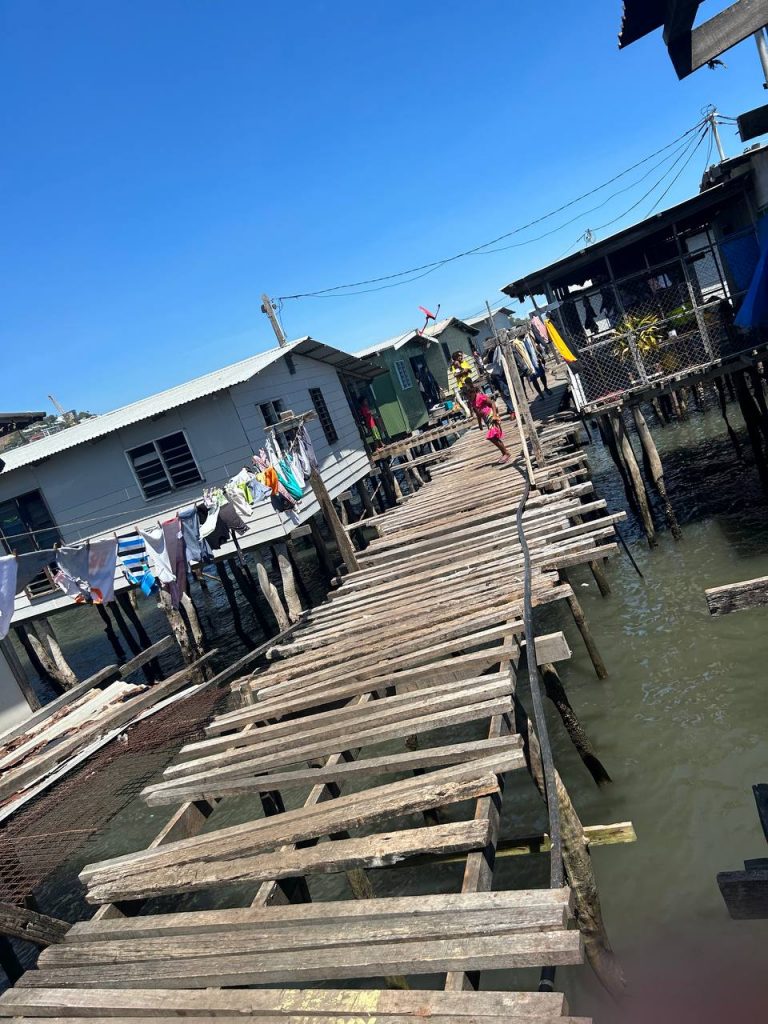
712 118
268 307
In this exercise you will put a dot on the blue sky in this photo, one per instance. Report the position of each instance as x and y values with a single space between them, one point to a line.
166 161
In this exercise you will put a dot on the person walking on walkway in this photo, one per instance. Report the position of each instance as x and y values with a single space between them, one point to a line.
486 411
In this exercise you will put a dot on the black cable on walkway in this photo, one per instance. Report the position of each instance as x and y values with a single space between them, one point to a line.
556 873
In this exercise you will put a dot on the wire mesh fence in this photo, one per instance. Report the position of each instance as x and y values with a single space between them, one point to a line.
48 835
669 319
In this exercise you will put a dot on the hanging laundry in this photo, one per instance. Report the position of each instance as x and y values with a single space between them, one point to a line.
305 441
209 521
229 516
75 587
8 577
259 490
176 555
238 500
302 458
102 562
157 556
31 565
72 575
538 325
285 470
196 548
559 344
132 556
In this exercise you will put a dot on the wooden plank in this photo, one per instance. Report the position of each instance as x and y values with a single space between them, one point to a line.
259 1004
509 902
242 761
379 850
717 35
144 656
103 676
737 597
312 1018
320 935
447 785
517 950
432 757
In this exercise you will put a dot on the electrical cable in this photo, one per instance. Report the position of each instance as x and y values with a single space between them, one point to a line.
427 268
666 190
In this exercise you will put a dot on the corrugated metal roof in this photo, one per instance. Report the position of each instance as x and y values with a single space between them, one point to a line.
381 346
182 394
472 320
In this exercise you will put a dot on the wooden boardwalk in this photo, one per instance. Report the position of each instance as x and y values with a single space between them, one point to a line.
426 636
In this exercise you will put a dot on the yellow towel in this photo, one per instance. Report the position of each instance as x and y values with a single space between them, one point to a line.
557 341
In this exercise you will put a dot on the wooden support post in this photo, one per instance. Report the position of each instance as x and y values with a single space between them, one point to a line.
586 633
250 591
682 403
24 634
304 594
123 599
111 635
675 404
655 469
229 591
133 644
180 631
751 414
193 624
556 692
292 599
578 867
600 578
618 460
724 413
661 418
56 663
622 441
365 498
270 592
321 548
341 536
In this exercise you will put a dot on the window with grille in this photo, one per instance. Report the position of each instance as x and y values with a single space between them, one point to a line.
26 525
323 415
271 411
164 465
403 375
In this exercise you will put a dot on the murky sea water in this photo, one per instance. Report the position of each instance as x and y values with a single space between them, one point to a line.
680 724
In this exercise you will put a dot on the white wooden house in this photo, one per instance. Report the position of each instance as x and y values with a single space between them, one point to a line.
138 464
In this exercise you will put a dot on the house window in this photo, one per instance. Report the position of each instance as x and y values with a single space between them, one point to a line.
164 465
271 411
404 378
27 525
323 415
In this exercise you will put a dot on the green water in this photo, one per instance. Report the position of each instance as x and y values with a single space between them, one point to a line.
680 725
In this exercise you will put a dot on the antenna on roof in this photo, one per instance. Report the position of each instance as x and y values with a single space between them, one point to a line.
429 316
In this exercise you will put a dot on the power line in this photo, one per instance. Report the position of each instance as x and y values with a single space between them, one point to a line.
415 273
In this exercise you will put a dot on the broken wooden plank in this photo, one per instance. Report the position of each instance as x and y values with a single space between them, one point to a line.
737 597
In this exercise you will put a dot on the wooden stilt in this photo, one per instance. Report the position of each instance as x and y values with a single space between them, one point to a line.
237 621
586 633
123 599
323 555
682 403
618 460
180 631
730 387
340 535
304 594
290 591
556 692
661 419
20 674
47 647
759 395
751 414
111 635
641 495
250 591
719 388
600 578
269 590
24 634
365 497
655 469
578 867
189 612
675 404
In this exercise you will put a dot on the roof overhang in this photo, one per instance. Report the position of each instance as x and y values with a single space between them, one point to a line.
351 365
12 421
707 201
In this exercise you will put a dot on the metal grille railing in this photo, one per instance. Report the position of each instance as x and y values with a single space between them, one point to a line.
669 319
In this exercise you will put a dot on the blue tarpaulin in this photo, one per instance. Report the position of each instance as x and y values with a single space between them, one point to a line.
754 308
